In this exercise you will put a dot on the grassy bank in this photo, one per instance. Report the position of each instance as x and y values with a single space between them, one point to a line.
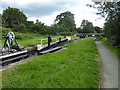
75 67
26 39
34 40
112 48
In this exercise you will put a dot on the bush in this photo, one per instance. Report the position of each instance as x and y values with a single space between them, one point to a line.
5 31
20 28
23 36
18 35
66 33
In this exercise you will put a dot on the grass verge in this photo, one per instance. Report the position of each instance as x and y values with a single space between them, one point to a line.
75 67
26 39
112 48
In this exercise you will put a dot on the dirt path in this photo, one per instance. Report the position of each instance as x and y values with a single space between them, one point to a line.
109 71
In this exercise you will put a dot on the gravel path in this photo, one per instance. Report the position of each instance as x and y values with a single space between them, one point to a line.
109 71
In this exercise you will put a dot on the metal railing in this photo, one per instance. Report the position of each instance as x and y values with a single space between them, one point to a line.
41 40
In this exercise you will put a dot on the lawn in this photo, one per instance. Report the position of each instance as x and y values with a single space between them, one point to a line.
37 40
75 67
26 39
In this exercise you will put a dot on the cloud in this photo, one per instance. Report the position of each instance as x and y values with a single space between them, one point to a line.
37 9
42 9
47 20
25 2
47 10
81 12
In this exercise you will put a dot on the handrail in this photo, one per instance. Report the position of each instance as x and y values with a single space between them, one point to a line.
47 39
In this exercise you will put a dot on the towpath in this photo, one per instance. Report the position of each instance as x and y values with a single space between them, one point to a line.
109 71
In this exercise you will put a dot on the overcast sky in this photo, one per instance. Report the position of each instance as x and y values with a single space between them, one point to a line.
47 10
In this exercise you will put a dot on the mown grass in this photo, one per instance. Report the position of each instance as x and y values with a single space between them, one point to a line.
114 49
73 37
34 40
30 41
26 39
75 67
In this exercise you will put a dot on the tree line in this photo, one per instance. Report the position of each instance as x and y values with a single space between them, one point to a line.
64 23
111 12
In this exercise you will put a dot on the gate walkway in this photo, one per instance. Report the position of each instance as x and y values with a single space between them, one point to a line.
109 71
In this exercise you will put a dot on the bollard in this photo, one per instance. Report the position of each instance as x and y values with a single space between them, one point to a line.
49 40
59 39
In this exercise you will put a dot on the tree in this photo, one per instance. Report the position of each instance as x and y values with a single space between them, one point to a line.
29 25
86 27
47 30
0 20
55 29
38 27
111 11
98 29
66 19
13 17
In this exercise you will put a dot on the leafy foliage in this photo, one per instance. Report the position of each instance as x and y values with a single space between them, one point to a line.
86 27
17 20
13 17
98 29
111 11
5 31
66 21
0 20
37 28
113 22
